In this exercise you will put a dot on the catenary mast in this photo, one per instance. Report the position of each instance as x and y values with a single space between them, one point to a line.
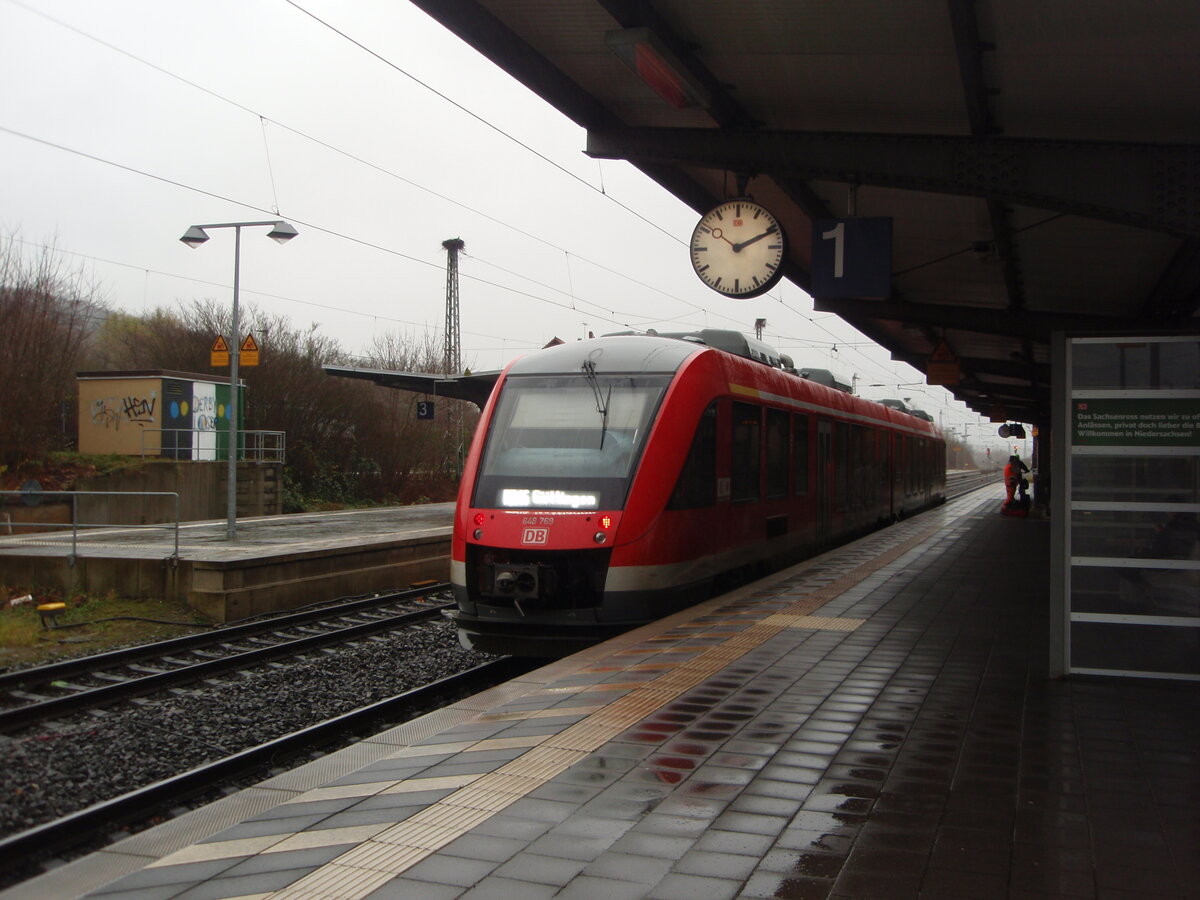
452 360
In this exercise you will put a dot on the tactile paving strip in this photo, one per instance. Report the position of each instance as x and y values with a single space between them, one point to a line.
395 850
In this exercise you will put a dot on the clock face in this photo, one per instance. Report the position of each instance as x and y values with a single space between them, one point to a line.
737 249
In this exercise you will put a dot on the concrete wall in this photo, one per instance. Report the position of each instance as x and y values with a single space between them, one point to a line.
202 489
227 590
141 578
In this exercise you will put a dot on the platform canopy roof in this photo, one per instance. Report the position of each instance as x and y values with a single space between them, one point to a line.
1040 159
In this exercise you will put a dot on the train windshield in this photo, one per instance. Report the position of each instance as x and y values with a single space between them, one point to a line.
566 442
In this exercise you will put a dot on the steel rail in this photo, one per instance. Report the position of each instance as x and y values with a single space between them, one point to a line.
24 716
22 678
966 482
98 819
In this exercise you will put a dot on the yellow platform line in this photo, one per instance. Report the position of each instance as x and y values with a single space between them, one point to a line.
358 872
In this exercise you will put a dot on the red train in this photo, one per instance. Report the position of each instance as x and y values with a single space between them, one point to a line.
615 480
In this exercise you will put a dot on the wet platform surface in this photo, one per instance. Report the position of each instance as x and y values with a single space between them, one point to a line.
875 723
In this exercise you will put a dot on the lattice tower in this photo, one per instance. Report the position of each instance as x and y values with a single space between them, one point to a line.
452 360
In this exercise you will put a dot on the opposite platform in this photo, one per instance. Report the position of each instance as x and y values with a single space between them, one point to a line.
274 563
873 723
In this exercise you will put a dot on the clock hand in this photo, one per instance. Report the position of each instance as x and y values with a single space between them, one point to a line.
737 248
719 233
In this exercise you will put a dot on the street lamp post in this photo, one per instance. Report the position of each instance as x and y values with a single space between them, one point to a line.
282 232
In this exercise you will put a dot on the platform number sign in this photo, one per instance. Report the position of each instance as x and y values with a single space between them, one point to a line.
424 409
852 258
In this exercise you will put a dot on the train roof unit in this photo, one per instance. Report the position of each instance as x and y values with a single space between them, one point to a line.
644 352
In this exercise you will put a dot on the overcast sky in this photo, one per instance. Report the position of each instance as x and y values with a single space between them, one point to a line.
123 122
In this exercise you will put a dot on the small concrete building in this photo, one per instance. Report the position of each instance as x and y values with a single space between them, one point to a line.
178 415
180 418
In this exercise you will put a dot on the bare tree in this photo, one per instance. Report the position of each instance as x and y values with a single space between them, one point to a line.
347 440
48 313
416 457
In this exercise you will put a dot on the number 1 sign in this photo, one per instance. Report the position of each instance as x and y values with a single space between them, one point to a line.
851 258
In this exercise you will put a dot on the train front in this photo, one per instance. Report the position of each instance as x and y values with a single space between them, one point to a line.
544 490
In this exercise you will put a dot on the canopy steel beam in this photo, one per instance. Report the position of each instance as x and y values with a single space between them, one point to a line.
1152 186
1014 323
977 365
1176 296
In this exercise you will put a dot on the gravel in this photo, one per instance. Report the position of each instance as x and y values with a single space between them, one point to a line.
57 769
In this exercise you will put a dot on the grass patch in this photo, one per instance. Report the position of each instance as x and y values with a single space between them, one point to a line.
25 642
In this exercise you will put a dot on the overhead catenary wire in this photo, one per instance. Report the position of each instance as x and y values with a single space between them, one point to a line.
307 224
616 317
263 119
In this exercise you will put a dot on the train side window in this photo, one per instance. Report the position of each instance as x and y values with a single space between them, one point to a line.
747 442
800 452
697 483
841 455
777 453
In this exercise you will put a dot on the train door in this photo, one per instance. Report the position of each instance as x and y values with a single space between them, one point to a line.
889 468
824 481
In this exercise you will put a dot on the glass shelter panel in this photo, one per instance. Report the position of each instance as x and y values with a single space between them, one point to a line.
1133 535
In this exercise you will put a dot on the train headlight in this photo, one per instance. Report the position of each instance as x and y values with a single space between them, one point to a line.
599 537
480 518
477 533
506 582
606 522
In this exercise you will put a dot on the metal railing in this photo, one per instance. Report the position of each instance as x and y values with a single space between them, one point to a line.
37 497
203 444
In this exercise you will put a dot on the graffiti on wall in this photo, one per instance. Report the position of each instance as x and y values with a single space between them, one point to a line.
111 412
204 410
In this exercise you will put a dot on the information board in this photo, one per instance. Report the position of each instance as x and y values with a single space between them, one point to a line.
1136 422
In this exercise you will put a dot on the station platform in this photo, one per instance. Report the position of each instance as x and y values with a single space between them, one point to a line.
873 723
274 563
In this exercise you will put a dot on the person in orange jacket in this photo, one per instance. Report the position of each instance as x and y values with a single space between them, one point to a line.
1014 471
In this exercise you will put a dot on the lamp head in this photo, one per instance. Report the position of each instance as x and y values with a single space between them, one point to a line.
282 232
194 236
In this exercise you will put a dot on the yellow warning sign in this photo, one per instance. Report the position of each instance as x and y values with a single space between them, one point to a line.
219 354
942 367
249 352
942 353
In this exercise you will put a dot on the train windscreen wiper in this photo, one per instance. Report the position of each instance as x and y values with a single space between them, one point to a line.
589 372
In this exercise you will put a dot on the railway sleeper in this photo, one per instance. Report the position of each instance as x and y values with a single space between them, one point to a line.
146 670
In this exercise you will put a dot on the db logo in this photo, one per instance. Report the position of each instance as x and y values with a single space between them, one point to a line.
535 536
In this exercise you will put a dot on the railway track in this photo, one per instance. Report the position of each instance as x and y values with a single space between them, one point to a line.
21 853
94 824
35 695
965 481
